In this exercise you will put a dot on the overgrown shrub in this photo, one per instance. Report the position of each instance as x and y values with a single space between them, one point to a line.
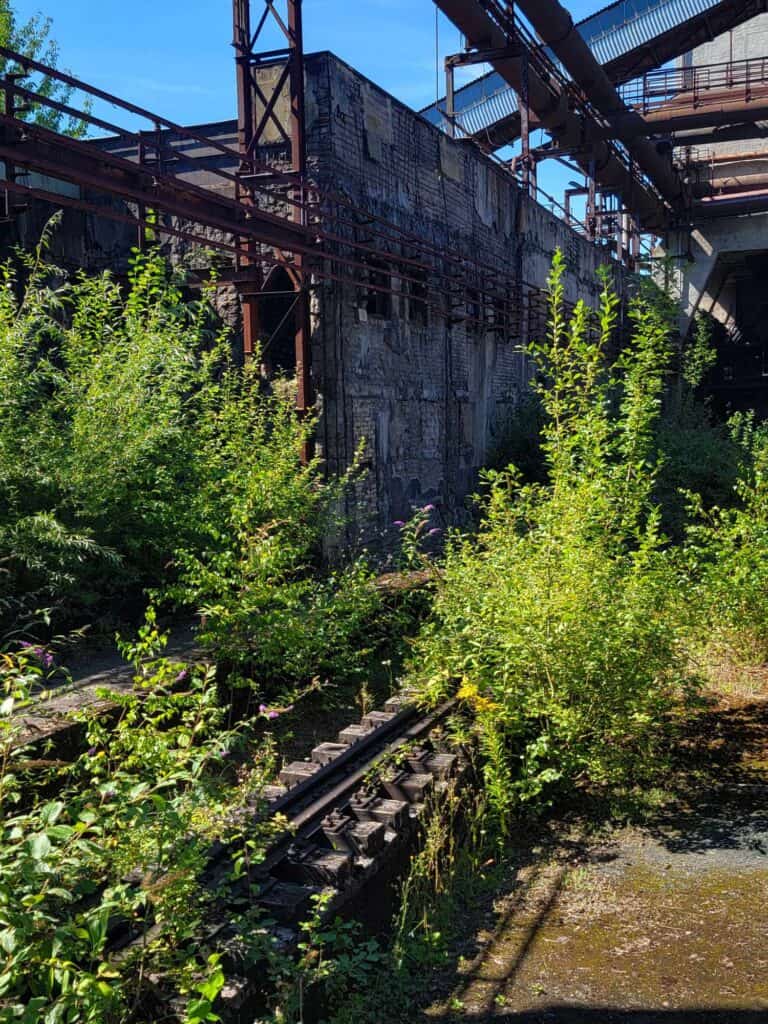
726 556
134 453
102 910
553 622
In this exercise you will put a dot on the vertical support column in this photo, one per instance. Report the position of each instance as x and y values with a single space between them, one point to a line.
591 203
634 243
450 97
248 249
9 87
252 125
304 397
525 123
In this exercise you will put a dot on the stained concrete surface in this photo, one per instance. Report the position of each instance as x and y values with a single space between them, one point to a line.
660 922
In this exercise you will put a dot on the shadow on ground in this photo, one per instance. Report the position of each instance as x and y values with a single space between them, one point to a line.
663 920
608 1015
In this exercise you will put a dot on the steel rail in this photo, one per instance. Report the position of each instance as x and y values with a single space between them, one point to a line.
14 57
307 804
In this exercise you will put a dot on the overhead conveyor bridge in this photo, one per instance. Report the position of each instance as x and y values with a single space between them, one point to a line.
628 38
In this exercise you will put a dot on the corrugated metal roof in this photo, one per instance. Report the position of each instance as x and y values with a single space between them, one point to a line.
610 33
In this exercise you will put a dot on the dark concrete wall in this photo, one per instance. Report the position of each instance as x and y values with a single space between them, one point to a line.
429 399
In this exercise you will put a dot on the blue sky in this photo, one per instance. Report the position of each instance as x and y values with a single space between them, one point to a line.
175 58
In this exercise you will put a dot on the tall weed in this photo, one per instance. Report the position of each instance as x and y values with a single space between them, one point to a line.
135 454
553 623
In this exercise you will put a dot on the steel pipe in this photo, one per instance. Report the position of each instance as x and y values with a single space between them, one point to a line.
550 103
555 26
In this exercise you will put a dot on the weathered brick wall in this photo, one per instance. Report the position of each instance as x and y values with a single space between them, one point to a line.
429 398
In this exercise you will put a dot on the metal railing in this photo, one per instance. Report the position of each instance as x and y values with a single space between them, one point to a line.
698 86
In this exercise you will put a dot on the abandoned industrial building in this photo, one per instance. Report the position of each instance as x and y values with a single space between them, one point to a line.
421 256
384 512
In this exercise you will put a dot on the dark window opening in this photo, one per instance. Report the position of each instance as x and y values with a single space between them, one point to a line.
378 297
501 319
416 286
474 310
277 315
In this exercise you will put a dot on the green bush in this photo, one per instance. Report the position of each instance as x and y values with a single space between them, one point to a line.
135 454
102 910
102 397
726 556
554 622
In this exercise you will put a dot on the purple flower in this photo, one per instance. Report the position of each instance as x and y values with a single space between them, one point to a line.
182 676
91 751
428 508
434 532
399 523
272 713
44 657
225 754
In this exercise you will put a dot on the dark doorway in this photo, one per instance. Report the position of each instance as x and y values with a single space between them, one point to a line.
277 308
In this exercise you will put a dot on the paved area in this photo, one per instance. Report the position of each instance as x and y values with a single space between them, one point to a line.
662 922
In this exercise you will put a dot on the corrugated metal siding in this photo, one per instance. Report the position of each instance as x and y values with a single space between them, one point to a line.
618 30
610 33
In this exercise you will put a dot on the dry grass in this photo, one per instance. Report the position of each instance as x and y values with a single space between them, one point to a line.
729 680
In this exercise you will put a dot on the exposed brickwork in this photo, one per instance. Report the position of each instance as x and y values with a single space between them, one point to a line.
427 397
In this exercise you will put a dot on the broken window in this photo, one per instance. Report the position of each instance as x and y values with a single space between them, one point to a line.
378 297
416 289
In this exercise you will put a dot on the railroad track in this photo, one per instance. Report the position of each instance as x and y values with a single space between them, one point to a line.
349 826
352 814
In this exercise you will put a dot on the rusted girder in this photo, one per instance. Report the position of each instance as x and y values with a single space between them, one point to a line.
698 28
555 27
728 207
734 185
82 163
549 100
722 113
714 137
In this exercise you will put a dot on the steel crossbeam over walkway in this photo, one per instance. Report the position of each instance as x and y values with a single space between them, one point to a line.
628 38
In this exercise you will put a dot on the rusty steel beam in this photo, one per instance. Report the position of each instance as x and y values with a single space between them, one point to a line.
728 207
698 29
81 163
719 188
714 137
726 112
555 27
551 103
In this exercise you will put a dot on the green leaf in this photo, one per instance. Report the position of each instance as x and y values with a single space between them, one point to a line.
50 813
39 846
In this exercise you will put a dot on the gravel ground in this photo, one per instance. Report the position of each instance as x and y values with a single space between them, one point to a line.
661 922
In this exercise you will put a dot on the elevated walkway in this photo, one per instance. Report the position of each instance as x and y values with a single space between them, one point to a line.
628 38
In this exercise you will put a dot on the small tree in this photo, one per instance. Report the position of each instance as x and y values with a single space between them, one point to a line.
33 40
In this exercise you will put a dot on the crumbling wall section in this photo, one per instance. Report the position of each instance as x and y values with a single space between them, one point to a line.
428 395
